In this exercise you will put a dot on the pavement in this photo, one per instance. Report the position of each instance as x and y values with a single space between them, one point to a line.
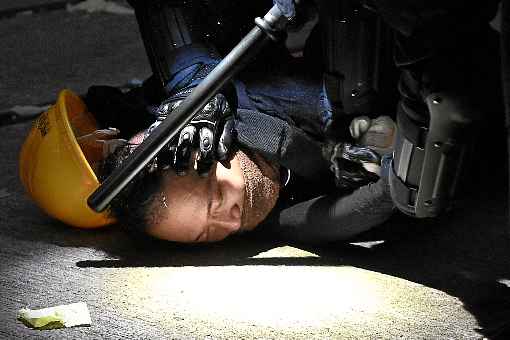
10 5
12 8
444 279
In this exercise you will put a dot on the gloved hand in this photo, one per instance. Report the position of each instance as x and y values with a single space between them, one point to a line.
287 7
353 166
209 133
360 164
297 12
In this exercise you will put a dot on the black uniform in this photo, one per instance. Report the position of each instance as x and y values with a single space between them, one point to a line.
350 47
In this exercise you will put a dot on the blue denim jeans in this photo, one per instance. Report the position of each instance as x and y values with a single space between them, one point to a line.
283 87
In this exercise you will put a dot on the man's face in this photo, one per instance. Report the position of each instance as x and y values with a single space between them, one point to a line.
191 208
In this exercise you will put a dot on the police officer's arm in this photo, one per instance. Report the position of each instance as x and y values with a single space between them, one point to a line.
178 38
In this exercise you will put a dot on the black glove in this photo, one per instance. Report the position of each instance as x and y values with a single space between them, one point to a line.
209 133
353 166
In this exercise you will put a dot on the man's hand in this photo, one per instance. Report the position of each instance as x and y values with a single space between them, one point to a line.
206 139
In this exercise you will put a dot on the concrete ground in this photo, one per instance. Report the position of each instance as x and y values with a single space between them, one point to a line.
446 279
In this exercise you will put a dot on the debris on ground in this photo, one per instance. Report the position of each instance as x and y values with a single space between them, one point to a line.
64 316
20 113
29 110
92 6
27 12
4 193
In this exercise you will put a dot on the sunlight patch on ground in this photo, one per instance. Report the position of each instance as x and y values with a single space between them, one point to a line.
284 251
275 298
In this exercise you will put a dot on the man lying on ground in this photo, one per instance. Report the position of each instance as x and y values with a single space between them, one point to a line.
280 157
268 149
247 189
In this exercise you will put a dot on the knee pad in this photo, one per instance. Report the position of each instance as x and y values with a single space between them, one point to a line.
429 158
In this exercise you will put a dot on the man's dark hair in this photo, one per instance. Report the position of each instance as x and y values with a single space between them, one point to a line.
132 206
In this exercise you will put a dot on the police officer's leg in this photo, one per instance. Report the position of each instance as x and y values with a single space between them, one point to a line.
166 28
443 49
447 97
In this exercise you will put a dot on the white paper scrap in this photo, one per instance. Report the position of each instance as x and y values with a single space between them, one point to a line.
92 6
4 193
29 110
72 315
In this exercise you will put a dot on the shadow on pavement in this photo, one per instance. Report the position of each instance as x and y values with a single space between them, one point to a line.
466 255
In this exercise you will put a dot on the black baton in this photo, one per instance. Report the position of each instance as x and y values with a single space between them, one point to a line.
268 28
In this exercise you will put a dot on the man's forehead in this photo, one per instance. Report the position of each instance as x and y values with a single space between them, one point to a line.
184 191
182 208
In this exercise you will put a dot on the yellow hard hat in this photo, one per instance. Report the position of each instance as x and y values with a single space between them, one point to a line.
54 169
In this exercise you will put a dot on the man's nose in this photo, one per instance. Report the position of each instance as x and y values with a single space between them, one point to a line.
231 203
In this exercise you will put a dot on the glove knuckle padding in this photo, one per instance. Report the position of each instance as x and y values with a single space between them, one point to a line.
187 135
207 131
206 140
183 149
206 156
213 116
225 139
